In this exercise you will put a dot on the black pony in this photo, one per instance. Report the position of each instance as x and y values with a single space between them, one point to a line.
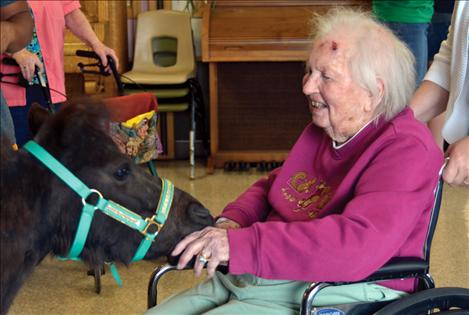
40 213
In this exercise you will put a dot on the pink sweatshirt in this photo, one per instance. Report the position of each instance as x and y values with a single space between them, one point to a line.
339 214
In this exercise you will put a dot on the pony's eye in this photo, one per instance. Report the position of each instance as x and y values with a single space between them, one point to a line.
122 172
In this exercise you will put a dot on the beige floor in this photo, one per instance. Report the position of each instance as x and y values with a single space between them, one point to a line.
63 287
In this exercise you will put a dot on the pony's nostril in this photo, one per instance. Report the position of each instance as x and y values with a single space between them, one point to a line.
204 212
200 211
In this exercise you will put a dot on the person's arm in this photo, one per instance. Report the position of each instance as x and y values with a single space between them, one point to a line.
77 22
429 101
225 223
27 62
456 172
252 205
388 205
16 26
431 98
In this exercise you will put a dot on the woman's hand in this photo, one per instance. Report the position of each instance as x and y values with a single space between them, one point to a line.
103 51
209 245
28 62
78 23
227 224
456 171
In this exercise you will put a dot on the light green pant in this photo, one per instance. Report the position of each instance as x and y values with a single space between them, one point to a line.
250 295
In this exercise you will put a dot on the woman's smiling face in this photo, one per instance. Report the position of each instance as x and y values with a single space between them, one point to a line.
338 103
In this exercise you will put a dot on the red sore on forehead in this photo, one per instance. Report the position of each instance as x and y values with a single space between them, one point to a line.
333 45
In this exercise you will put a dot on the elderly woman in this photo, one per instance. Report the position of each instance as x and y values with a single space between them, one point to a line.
355 191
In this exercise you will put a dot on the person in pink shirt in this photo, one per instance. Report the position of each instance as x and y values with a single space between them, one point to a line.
16 28
46 51
355 191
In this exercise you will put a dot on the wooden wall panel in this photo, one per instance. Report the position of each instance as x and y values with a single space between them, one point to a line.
271 30
261 106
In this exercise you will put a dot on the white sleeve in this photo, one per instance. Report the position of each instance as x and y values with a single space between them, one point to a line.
439 71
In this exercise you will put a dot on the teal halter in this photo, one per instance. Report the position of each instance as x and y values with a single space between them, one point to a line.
149 227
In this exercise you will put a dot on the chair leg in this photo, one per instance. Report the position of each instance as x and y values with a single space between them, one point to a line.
192 153
201 116
192 132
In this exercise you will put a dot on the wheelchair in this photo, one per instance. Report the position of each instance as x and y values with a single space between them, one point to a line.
427 299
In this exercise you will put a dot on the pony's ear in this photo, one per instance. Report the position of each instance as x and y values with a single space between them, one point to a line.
36 117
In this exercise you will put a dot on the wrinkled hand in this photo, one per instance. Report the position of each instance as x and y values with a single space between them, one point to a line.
210 242
227 224
456 171
103 51
28 62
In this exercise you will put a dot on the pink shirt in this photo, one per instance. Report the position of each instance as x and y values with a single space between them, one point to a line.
49 19
339 214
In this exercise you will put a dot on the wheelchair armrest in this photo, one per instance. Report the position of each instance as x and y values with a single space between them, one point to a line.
408 267
162 270
405 267
173 260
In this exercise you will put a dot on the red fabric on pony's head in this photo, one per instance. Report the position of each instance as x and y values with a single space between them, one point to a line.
122 108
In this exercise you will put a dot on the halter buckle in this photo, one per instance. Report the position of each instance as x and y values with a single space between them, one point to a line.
151 222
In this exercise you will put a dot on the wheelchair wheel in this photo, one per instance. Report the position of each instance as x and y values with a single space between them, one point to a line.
442 301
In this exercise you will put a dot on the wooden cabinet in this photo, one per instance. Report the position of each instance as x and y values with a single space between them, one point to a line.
109 21
256 51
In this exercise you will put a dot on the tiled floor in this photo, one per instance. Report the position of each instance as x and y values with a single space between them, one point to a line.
63 287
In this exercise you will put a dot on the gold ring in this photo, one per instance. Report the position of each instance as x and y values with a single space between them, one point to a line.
203 259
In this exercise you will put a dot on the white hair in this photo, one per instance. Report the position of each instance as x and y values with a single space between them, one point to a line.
378 56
